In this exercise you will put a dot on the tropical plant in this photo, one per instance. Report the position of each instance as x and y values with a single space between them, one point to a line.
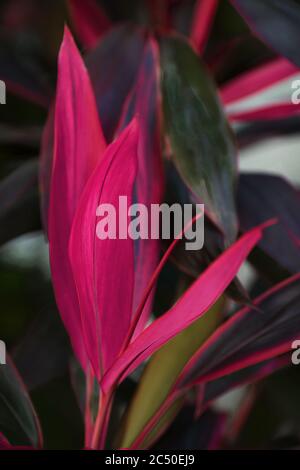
153 111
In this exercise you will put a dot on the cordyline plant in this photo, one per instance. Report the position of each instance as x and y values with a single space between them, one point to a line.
139 115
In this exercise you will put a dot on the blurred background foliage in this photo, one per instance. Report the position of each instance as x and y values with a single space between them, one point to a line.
30 36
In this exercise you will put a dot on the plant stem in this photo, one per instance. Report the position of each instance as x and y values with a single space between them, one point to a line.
101 424
87 418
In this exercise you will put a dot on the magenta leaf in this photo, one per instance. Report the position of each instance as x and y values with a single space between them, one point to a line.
149 185
89 19
79 145
245 376
187 432
193 304
46 162
24 74
204 15
103 269
250 337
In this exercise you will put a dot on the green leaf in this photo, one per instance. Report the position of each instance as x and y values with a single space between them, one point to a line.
18 421
162 371
201 141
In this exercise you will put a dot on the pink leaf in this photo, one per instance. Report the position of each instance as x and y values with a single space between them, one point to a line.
269 112
204 14
79 145
103 269
89 20
257 79
193 304
249 337
149 185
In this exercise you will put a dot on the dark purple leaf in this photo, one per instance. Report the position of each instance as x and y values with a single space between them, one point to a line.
251 336
261 197
113 66
188 433
276 22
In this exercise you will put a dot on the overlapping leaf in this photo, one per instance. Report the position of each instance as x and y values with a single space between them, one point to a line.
204 14
19 206
262 196
89 19
191 306
103 268
17 417
23 74
275 22
79 145
250 336
201 141
262 93
149 184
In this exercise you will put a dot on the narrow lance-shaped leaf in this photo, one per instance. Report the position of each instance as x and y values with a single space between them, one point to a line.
193 263
89 19
263 93
257 79
263 196
162 371
103 266
193 304
272 111
113 66
275 22
79 145
251 374
204 433
149 184
104 63
18 420
204 14
251 336
201 141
